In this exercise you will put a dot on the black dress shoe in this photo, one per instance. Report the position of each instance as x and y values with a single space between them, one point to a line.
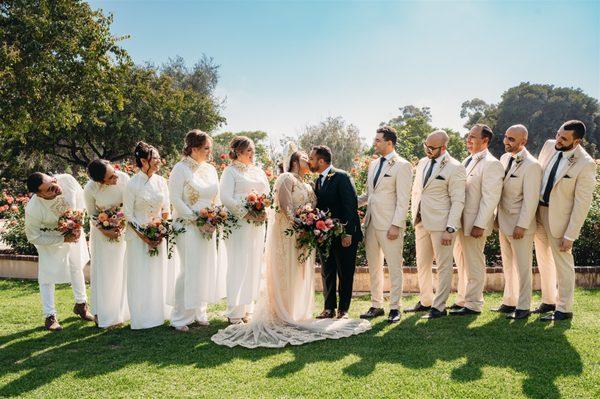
342 314
557 315
434 314
505 309
544 308
394 316
454 307
327 314
519 314
372 312
417 308
463 312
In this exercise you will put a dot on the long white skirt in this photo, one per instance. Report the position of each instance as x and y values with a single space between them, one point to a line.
146 283
202 272
245 261
108 279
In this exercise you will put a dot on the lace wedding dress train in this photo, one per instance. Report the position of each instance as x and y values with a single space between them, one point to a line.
283 314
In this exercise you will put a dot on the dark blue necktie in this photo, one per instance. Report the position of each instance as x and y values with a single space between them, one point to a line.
381 162
428 175
550 184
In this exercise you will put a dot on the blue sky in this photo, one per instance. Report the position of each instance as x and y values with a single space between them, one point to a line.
288 64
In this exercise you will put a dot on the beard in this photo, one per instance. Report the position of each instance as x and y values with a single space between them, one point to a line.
564 148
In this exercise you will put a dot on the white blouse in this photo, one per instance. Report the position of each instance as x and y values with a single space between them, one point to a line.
192 186
237 181
145 198
99 197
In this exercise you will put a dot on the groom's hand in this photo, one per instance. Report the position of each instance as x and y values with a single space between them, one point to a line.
393 232
346 241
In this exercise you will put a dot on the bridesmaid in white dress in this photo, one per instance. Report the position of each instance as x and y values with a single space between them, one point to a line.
103 191
246 243
193 185
146 198
284 310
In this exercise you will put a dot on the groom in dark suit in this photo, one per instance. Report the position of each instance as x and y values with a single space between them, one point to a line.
336 194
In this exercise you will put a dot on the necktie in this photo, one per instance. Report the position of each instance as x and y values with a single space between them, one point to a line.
428 175
318 183
509 165
381 162
550 183
468 162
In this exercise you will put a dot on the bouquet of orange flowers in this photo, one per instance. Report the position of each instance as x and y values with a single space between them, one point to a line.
110 219
157 230
313 229
69 223
256 205
217 218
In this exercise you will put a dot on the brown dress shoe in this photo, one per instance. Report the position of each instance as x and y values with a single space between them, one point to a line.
51 324
82 310
326 314
342 314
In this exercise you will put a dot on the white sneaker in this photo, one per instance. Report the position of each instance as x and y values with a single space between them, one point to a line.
182 329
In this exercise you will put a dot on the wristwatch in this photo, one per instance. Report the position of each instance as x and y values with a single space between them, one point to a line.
450 229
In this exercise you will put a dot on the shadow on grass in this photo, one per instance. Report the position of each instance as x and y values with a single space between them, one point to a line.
539 351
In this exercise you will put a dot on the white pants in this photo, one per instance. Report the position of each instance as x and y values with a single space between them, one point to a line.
429 247
47 292
517 257
239 311
180 316
557 268
378 246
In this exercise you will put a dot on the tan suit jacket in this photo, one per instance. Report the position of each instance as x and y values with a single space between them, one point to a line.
520 194
572 193
440 203
483 189
387 202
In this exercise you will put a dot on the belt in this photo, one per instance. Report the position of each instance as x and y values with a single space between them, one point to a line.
541 203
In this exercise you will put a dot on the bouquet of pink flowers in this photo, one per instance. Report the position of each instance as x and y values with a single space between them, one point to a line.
313 229
256 205
157 230
69 223
111 219
217 218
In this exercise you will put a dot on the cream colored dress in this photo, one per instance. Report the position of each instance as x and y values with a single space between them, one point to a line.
284 310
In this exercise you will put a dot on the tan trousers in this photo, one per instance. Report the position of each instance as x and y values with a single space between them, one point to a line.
470 262
517 258
378 247
429 247
556 267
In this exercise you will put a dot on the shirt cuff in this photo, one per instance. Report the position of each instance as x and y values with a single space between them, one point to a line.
569 238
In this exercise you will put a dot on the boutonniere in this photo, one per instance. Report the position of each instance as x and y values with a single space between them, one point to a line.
330 174
572 159
519 158
392 161
444 162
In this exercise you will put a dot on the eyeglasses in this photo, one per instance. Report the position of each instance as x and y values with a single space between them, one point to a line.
430 148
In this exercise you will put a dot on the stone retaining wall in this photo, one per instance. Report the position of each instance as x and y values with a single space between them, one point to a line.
25 267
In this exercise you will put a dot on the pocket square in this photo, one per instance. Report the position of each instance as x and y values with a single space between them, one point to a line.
387 176
567 177
513 176
439 177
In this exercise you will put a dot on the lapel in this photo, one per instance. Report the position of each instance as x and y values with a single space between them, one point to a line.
327 178
571 161
516 165
474 163
443 164
385 169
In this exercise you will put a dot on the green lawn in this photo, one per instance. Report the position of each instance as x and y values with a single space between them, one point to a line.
470 357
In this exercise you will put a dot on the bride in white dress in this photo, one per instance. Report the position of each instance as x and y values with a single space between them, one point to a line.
284 310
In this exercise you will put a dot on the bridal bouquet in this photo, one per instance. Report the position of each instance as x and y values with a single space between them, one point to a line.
111 219
313 228
69 223
157 230
257 204
217 218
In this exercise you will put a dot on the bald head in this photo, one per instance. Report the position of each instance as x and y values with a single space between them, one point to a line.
436 143
515 139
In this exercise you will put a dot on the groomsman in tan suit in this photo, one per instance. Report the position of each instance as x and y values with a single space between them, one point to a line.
438 197
516 221
483 189
388 192
565 197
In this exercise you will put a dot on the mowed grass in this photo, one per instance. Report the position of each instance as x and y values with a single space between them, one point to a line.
453 357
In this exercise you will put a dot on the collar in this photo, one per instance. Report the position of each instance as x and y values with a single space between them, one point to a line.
144 177
480 154
520 154
390 156
439 158
326 171
569 154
